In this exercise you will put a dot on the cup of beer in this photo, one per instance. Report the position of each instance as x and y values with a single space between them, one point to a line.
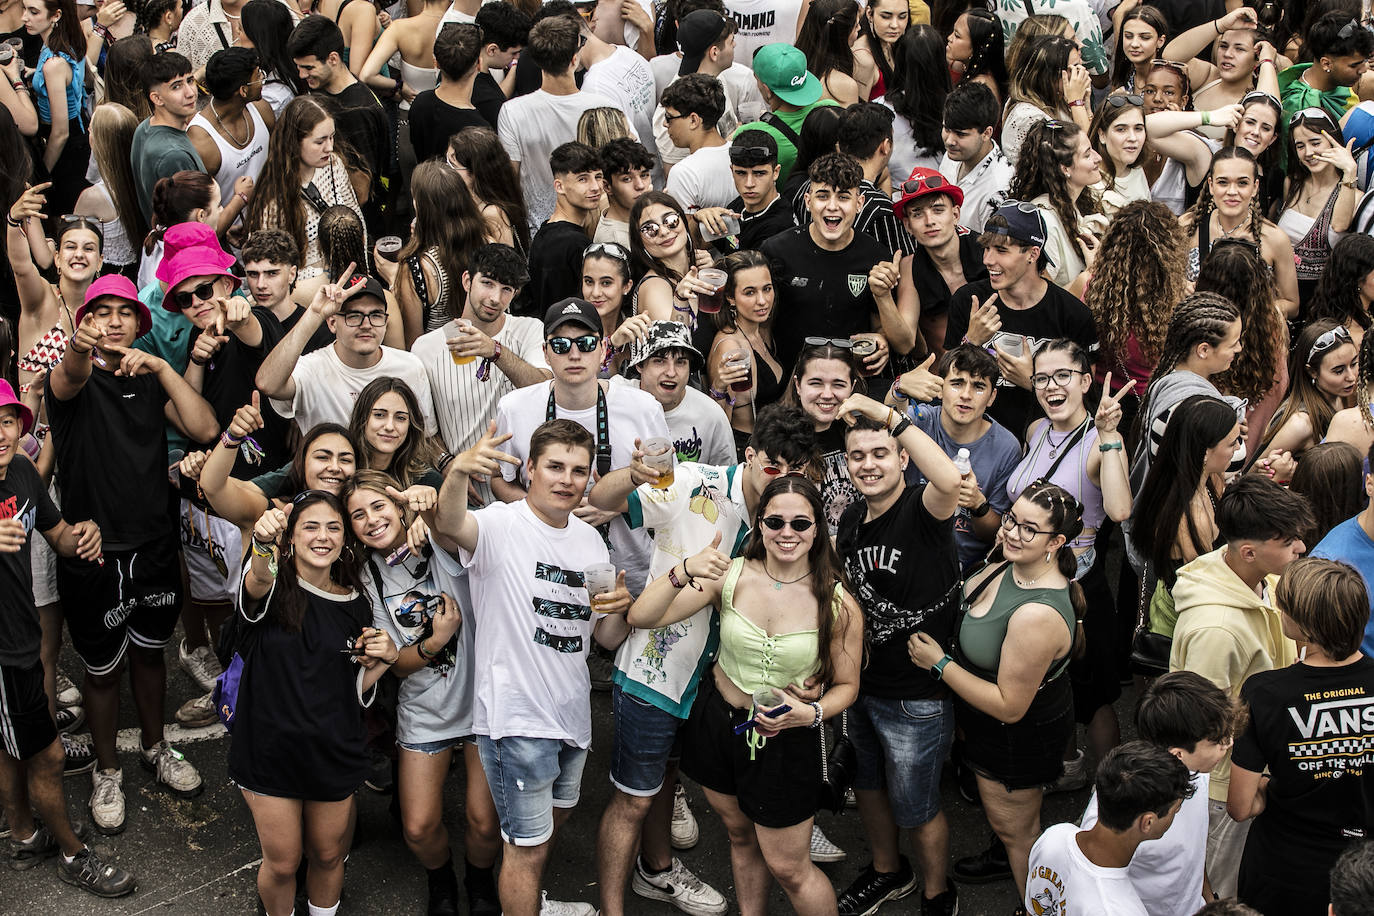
453 330
864 347
740 359
710 303
599 579
660 455
389 247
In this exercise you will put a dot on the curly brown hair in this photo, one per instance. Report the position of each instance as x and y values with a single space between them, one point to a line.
1139 276
1234 269
1049 148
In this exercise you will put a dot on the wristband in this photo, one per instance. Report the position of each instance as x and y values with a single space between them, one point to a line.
241 196
1216 25
228 441
901 427
200 362
496 353
1078 103
1267 60
937 670
260 549
1109 446
1206 118
897 389
18 86
13 222
420 647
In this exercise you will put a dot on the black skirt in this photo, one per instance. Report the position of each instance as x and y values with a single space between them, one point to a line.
1024 754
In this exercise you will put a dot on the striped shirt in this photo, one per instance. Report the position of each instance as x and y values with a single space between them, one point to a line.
875 220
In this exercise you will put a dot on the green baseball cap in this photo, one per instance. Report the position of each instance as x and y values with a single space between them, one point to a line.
782 68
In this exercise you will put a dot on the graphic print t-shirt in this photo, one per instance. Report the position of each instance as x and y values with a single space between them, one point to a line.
533 624
436 701
1063 882
22 496
1314 729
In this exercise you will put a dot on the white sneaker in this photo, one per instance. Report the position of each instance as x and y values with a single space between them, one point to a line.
549 907
684 832
68 694
201 664
1074 777
172 770
822 850
107 801
197 712
679 887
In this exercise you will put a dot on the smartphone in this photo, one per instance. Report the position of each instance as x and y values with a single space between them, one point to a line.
770 714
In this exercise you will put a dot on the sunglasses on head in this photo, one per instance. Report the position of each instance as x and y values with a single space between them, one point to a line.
1174 65
751 155
586 343
929 183
1348 29
777 523
187 297
607 248
1332 338
1121 100
842 343
670 221
1314 114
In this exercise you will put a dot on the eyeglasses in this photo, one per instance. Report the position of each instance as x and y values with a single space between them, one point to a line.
356 319
1122 100
670 118
842 343
651 229
187 297
585 344
1316 114
1332 338
777 523
1024 531
607 248
1060 377
927 183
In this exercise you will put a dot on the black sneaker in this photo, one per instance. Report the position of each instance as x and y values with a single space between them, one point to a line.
69 718
80 756
443 891
25 854
380 777
987 866
88 872
946 904
873 888
480 884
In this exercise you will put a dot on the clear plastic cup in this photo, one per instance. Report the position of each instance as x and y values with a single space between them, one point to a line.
660 455
599 579
710 303
737 359
455 329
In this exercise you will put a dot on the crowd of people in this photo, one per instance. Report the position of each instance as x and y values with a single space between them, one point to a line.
858 393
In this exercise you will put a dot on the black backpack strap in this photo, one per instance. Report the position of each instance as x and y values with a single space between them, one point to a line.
778 124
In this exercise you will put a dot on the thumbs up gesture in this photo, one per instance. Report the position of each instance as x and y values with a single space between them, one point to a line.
920 384
709 563
884 276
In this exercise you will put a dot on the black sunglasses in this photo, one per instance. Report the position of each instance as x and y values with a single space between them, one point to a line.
777 522
1122 100
586 343
842 343
748 156
187 297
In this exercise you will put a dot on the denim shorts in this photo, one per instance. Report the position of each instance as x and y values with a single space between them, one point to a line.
529 777
433 747
646 738
901 747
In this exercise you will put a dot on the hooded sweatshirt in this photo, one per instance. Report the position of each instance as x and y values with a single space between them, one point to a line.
1225 633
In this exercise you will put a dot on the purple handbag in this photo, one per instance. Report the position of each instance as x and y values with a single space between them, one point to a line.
226 693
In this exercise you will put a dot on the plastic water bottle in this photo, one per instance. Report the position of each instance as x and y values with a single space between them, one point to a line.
962 462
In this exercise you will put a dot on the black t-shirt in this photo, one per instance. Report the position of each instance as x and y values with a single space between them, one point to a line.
33 45
361 122
230 383
1057 314
757 228
903 567
837 490
1313 728
319 340
487 96
556 263
22 496
820 293
934 293
112 457
433 121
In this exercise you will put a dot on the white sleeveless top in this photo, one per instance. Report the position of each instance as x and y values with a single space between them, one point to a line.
116 249
234 163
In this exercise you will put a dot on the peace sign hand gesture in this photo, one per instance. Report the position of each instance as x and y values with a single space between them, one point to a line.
330 297
484 457
1109 410
983 320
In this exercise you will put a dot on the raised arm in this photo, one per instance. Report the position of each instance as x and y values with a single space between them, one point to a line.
1110 469
234 500
699 579
26 214
1170 133
453 527
274 375
941 495
71 374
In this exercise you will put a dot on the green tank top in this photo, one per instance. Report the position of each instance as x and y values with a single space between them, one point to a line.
981 638
750 657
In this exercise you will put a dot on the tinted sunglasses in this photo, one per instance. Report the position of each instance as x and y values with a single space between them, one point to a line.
651 229
606 248
187 297
843 343
1174 65
777 523
1122 100
585 344
928 183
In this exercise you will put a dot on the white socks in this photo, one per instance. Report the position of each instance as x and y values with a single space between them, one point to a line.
322 910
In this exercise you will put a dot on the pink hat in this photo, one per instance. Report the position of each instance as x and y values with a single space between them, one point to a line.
7 399
208 260
187 235
120 287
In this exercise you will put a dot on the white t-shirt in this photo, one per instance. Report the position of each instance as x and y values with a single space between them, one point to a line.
626 78
985 187
700 431
762 22
703 179
741 88
1167 872
464 404
326 388
435 702
663 666
533 624
1063 882
531 127
630 414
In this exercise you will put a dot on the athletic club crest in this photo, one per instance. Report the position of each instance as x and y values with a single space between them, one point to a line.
857 284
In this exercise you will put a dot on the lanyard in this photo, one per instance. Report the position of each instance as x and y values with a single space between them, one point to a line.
603 429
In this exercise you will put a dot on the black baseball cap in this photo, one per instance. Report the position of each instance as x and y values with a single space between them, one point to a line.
574 310
696 32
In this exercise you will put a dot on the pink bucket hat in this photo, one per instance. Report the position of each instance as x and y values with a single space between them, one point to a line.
7 399
120 287
188 235
205 259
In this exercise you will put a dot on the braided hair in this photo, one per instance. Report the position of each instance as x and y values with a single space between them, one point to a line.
342 240
1206 203
1049 148
1202 318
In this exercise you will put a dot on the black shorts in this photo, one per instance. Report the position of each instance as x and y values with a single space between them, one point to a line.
776 783
1024 754
26 726
1094 676
135 596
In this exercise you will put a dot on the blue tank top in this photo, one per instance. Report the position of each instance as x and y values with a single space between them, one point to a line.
76 88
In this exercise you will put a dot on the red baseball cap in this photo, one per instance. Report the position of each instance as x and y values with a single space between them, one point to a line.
924 181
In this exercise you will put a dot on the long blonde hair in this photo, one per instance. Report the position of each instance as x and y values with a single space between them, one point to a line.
112 137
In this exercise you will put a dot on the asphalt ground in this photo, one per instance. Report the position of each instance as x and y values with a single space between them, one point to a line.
200 856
